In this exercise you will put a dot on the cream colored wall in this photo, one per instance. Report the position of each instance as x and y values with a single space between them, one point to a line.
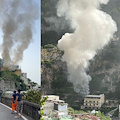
102 99
93 104
18 72
97 103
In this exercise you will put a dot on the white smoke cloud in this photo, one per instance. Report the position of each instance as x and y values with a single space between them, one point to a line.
17 21
56 24
93 30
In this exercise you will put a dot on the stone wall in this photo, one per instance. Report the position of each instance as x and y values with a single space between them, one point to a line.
29 108
7 85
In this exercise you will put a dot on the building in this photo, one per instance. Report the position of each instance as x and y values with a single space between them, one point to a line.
111 103
51 97
15 69
93 101
54 106
85 116
24 78
18 72
61 109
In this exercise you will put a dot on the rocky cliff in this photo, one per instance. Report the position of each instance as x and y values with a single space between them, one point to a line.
54 76
104 70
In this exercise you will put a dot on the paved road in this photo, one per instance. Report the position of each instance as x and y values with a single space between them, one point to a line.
111 112
5 114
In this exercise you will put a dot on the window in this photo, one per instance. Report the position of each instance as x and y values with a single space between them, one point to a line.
89 101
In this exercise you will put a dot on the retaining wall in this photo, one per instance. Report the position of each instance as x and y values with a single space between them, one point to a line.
29 108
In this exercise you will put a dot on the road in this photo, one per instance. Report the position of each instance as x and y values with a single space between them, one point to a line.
5 113
111 112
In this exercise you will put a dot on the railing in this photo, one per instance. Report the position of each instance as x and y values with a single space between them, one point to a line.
29 108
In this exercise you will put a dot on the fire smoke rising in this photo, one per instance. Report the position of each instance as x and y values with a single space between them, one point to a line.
93 30
17 24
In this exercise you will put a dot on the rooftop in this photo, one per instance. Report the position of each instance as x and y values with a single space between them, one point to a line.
50 96
94 96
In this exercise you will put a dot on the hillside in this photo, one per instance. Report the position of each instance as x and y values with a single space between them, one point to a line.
54 76
10 81
104 70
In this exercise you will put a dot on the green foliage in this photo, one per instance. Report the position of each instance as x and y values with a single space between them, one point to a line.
33 84
49 46
102 117
70 110
63 88
115 76
3 94
116 113
117 91
79 112
48 64
8 75
95 83
110 95
105 109
23 86
42 102
33 96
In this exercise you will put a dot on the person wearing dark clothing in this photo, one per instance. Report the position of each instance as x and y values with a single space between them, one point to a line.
14 102
19 103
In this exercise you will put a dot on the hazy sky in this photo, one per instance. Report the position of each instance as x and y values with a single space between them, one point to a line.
31 57
31 60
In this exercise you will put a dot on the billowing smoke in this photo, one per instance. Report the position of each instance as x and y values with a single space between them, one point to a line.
56 24
93 30
17 21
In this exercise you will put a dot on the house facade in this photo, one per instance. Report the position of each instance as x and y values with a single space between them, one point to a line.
93 101
54 106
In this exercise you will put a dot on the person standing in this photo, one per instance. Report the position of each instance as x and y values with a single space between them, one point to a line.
19 103
14 102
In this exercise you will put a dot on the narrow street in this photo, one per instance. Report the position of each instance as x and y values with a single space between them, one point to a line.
5 113
111 112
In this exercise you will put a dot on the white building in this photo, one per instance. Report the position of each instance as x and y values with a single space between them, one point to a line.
54 106
51 97
24 78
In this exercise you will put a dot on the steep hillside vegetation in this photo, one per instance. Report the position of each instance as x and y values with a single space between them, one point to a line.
54 76
104 70
10 81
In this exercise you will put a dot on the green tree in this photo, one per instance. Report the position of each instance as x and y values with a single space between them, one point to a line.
23 86
42 102
8 75
33 96
102 117
33 84
70 110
